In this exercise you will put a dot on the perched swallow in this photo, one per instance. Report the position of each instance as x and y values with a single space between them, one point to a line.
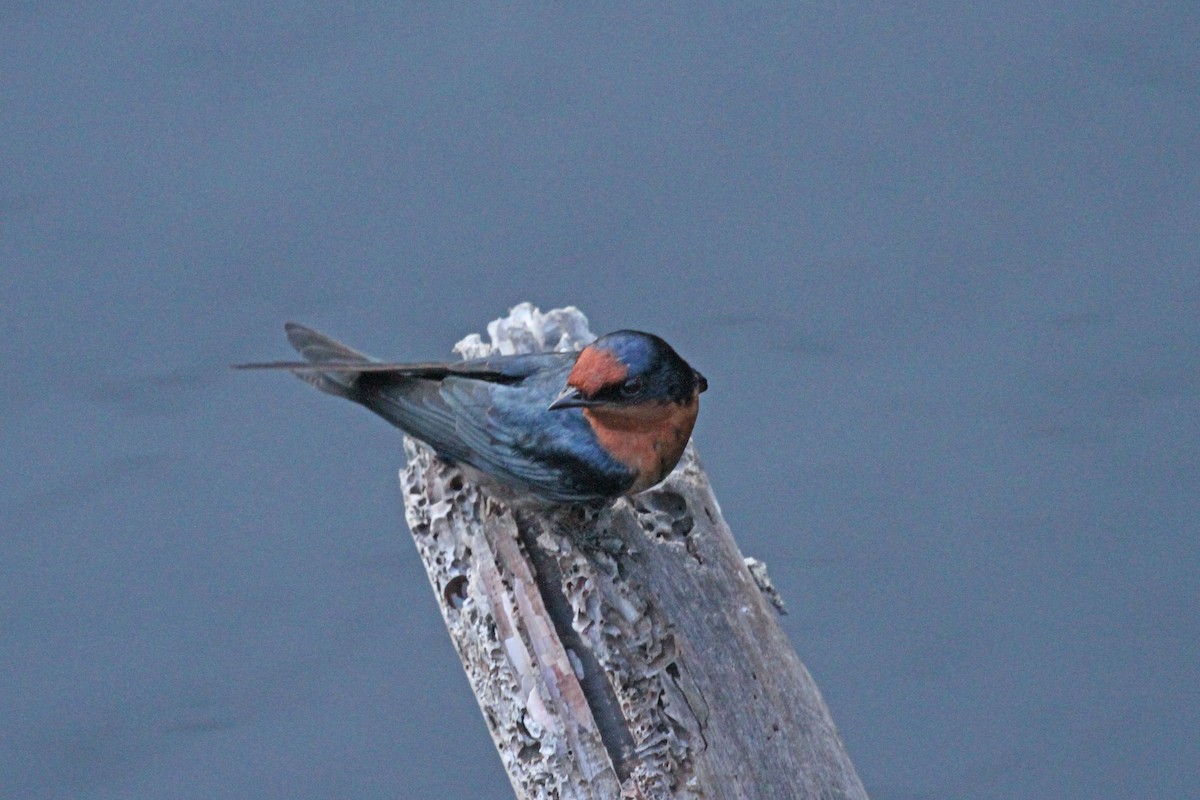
547 428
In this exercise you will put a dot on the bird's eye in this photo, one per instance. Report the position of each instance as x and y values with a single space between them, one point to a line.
631 387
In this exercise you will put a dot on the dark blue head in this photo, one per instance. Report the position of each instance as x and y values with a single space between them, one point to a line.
629 368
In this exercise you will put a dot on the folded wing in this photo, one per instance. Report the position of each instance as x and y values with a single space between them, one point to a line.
489 413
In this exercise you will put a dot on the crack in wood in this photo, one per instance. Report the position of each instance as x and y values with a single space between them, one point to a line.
596 689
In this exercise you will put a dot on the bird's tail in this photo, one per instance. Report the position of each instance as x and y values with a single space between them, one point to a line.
317 348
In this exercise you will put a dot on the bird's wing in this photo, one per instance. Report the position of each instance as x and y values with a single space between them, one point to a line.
511 433
415 406
491 413
333 367
324 354
486 413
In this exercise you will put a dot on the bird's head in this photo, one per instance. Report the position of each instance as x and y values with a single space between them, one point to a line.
629 368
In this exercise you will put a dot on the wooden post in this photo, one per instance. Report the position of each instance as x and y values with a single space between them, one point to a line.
623 653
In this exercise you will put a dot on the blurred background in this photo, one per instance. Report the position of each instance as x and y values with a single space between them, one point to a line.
941 266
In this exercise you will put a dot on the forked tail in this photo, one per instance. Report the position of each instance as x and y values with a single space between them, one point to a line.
328 364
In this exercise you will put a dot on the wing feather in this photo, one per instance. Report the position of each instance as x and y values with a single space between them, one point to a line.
511 434
489 413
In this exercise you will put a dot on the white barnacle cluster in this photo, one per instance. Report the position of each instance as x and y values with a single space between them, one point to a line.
527 329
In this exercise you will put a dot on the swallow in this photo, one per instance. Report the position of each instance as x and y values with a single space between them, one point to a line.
581 427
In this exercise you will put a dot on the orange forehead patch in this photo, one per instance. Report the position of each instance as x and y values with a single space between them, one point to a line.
595 369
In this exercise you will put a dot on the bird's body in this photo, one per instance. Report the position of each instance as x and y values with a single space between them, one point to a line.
547 428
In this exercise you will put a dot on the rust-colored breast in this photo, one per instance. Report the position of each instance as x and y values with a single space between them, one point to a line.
595 369
649 438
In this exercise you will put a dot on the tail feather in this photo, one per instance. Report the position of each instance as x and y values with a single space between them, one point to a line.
317 347
393 391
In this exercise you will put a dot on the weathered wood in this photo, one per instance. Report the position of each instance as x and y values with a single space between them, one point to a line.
627 652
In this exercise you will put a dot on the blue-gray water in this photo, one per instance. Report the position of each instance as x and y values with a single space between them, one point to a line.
941 267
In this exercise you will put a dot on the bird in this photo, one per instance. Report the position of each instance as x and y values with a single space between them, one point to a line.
543 429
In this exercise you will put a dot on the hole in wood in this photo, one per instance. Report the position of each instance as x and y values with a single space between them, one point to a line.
456 591
664 514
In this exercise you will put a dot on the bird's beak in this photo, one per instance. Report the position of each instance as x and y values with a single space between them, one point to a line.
701 382
569 397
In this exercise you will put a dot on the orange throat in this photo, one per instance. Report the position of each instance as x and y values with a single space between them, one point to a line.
649 439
